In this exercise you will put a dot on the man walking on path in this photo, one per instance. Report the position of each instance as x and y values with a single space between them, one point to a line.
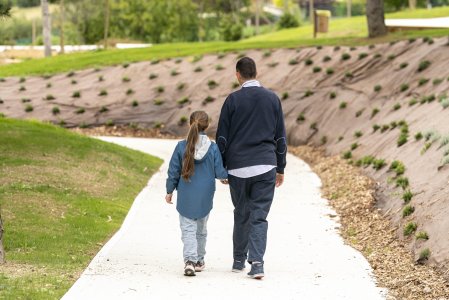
251 138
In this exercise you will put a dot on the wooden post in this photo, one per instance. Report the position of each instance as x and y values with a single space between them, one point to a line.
2 249
61 28
106 23
46 31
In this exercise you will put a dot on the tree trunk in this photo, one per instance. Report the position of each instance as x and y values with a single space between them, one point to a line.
106 23
349 8
257 17
412 4
61 28
46 28
375 17
311 12
2 250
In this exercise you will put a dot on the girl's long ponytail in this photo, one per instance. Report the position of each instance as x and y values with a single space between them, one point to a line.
189 156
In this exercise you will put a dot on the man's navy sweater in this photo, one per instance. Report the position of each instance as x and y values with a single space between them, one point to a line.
251 130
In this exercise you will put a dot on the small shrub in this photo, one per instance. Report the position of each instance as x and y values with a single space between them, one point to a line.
397 106
404 87
379 164
407 196
285 96
182 121
424 255
336 48
273 64
83 125
403 65
100 78
308 93
178 61
308 62
367 160
333 95
109 123
374 112
411 40
221 55
267 53
293 61
208 99
343 105
423 81
340 138
103 109
323 140
412 102
135 103
327 58
377 88
160 89
158 125
426 147
55 110
26 100
29 108
345 56
197 58
437 81
445 103
372 46
418 136
49 85
241 55
181 86
103 93
391 57
198 69
129 92
359 113
352 48
155 61
329 71
347 155
126 79
377 55
71 74
80 111
349 75
125 65
316 69
74 82
444 161
407 210
219 68
358 134
174 73
393 125
363 55
301 118
22 88
158 102
152 76
423 65
354 146
384 128
319 47
430 98
76 94
376 127
422 235
409 228
49 97
314 126
183 101
402 182
212 84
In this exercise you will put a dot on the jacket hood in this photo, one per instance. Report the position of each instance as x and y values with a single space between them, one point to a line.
202 146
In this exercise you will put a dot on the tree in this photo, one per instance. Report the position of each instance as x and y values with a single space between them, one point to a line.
46 28
376 18
61 28
106 23
5 10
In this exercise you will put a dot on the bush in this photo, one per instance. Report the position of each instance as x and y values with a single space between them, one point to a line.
71 74
314 126
100 78
308 62
445 103
437 81
160 89
378 164
103 93
391 57
178 61
29 108
358 134
359 113
126 79
181 86
109 123
182 121
273 64
125 65
376 127
183 101
129 92
235 85
22 88
74 82
407 210
409 228
158 102
374 112
212 84
349 75
135 103
267 53
354 146
103 109
197 58
323 140
412 102
76 94
363 55
174 73
403 65
49 85
407 196
55 110
327 58
208 99
285 96
343 105
423 65
397 106
418 136
308 93
293 61
198 69
424 255
288 20
231 30
333 95
219 67
402 182
345 56
377 88
300 118
316 69
49 97
152 76
423 81
80 111
347 155
404 87
329 71
384 128
422 235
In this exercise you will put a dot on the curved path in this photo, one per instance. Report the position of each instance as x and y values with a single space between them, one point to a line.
306 258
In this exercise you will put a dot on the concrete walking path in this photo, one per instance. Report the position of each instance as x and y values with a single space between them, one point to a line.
306 258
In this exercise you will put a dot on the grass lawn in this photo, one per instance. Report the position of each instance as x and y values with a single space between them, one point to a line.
62 195
351 32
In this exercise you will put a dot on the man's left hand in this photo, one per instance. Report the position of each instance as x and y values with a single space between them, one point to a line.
279 179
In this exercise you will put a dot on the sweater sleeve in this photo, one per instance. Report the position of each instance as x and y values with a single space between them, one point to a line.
174 170
223 129
220 171
281 141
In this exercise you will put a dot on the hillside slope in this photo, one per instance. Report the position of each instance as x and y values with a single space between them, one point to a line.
61 196
336 96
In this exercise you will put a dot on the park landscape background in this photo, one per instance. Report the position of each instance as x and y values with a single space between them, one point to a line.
379 103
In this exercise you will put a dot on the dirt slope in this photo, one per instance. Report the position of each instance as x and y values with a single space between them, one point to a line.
310 76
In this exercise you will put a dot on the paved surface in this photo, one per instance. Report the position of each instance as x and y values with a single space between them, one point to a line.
419 23
306 257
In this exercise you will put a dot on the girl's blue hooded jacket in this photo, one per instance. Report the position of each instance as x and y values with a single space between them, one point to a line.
196 195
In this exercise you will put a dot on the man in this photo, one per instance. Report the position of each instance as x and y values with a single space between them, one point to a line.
251 138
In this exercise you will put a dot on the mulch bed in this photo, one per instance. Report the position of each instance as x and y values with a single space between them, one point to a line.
366 229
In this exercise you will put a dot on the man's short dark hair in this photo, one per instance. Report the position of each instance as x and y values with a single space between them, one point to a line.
246 67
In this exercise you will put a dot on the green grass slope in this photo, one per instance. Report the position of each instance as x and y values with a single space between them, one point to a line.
350 32
62 195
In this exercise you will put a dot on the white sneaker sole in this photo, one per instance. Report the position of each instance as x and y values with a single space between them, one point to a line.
189 272
257 276
238 270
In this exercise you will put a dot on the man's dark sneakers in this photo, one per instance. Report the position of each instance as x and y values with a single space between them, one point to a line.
189 269
256 271
238 266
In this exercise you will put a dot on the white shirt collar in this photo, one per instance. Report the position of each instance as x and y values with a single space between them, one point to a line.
250 83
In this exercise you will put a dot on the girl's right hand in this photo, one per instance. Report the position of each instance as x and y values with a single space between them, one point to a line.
168 198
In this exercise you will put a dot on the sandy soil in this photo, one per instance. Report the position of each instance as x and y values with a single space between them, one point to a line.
392 66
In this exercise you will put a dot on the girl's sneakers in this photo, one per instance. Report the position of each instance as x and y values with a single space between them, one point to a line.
199 266
238 266
189 269
256 270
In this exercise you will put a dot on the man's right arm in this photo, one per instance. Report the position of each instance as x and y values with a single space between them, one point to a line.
223 129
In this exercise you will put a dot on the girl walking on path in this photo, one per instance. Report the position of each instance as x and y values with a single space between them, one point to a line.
194 165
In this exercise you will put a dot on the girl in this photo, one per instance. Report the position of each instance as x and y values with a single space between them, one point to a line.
194 165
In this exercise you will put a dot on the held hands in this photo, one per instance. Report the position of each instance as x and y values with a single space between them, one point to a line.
168 198
279 179
224 181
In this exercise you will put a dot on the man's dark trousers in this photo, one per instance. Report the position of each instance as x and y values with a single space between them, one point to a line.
252 198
